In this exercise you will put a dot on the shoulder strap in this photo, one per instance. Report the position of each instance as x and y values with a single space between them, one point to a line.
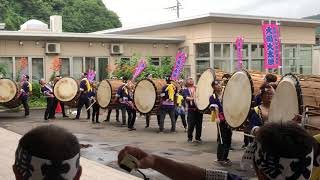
257 110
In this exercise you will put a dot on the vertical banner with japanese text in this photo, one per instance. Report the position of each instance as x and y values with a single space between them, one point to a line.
181 58
272 45
139 69
239 47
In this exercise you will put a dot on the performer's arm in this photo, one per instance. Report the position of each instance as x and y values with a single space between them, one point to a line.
170 168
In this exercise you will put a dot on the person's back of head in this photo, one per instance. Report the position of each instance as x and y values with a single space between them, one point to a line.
282 151
48 152
271 78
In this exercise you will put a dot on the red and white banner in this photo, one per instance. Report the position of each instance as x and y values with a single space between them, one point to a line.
139 69
181 58
239 47
272 45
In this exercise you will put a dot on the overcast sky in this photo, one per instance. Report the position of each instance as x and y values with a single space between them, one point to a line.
140 12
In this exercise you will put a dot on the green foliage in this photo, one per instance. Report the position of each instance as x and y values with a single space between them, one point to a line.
78 15
126 68
37 99
3 70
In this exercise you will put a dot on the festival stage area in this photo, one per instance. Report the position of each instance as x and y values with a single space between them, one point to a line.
108 138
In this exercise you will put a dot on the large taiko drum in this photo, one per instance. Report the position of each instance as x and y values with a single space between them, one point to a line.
9 93
146 95
67 90
106 93
293 95
204 90
237 98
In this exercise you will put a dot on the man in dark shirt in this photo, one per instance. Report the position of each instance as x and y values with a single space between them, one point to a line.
47 91
121 105
85 88
26 90
126 100
56 101
224 131
167 106
194 117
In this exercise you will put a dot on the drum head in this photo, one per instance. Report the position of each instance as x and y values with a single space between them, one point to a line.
284 105
204 89
8 90
66 89
145 96
104 93
237 99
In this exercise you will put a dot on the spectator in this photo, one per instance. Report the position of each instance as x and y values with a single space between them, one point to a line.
48 152
281 151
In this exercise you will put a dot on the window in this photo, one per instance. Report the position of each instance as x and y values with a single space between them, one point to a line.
223 65
103 68
77 67
21 67
217 50
90 63
226 50
65 67
37 69
6 67
203 50
202 65
305 59
257 53
290 64
155 61
187 71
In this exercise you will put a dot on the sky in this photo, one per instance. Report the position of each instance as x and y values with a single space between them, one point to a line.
142 12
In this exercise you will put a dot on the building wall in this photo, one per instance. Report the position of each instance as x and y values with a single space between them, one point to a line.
316 60
71 50
227 33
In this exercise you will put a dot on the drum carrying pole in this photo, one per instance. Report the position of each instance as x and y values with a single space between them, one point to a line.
94 101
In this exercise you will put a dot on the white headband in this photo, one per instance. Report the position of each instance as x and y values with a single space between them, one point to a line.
276 167
34 168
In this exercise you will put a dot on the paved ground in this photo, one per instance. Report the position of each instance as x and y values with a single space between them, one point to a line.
108 138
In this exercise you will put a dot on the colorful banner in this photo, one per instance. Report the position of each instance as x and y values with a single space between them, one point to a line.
239 46
181 58
272 46
139 68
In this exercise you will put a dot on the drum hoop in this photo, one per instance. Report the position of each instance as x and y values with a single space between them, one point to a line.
110 96
252 90
73 97
156 94
17 91
214 78
298 90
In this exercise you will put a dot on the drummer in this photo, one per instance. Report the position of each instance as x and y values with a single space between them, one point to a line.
168 95
122 106
56 101
269 78
194 117
95 106
116 109
224 131
26 91
148 116
47 91
126 100
258 116
85 88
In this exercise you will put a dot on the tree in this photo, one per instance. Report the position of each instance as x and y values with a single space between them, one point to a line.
78 15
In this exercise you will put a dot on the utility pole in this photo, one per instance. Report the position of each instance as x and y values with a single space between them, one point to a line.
176 8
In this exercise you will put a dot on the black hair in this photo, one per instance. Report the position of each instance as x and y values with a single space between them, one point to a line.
168 79
227 75
125 79
271 78
287 140
263 88
215 82
50 142
27 77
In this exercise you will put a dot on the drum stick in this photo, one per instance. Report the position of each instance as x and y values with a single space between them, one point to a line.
94 101
218 126
245 134
311 127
